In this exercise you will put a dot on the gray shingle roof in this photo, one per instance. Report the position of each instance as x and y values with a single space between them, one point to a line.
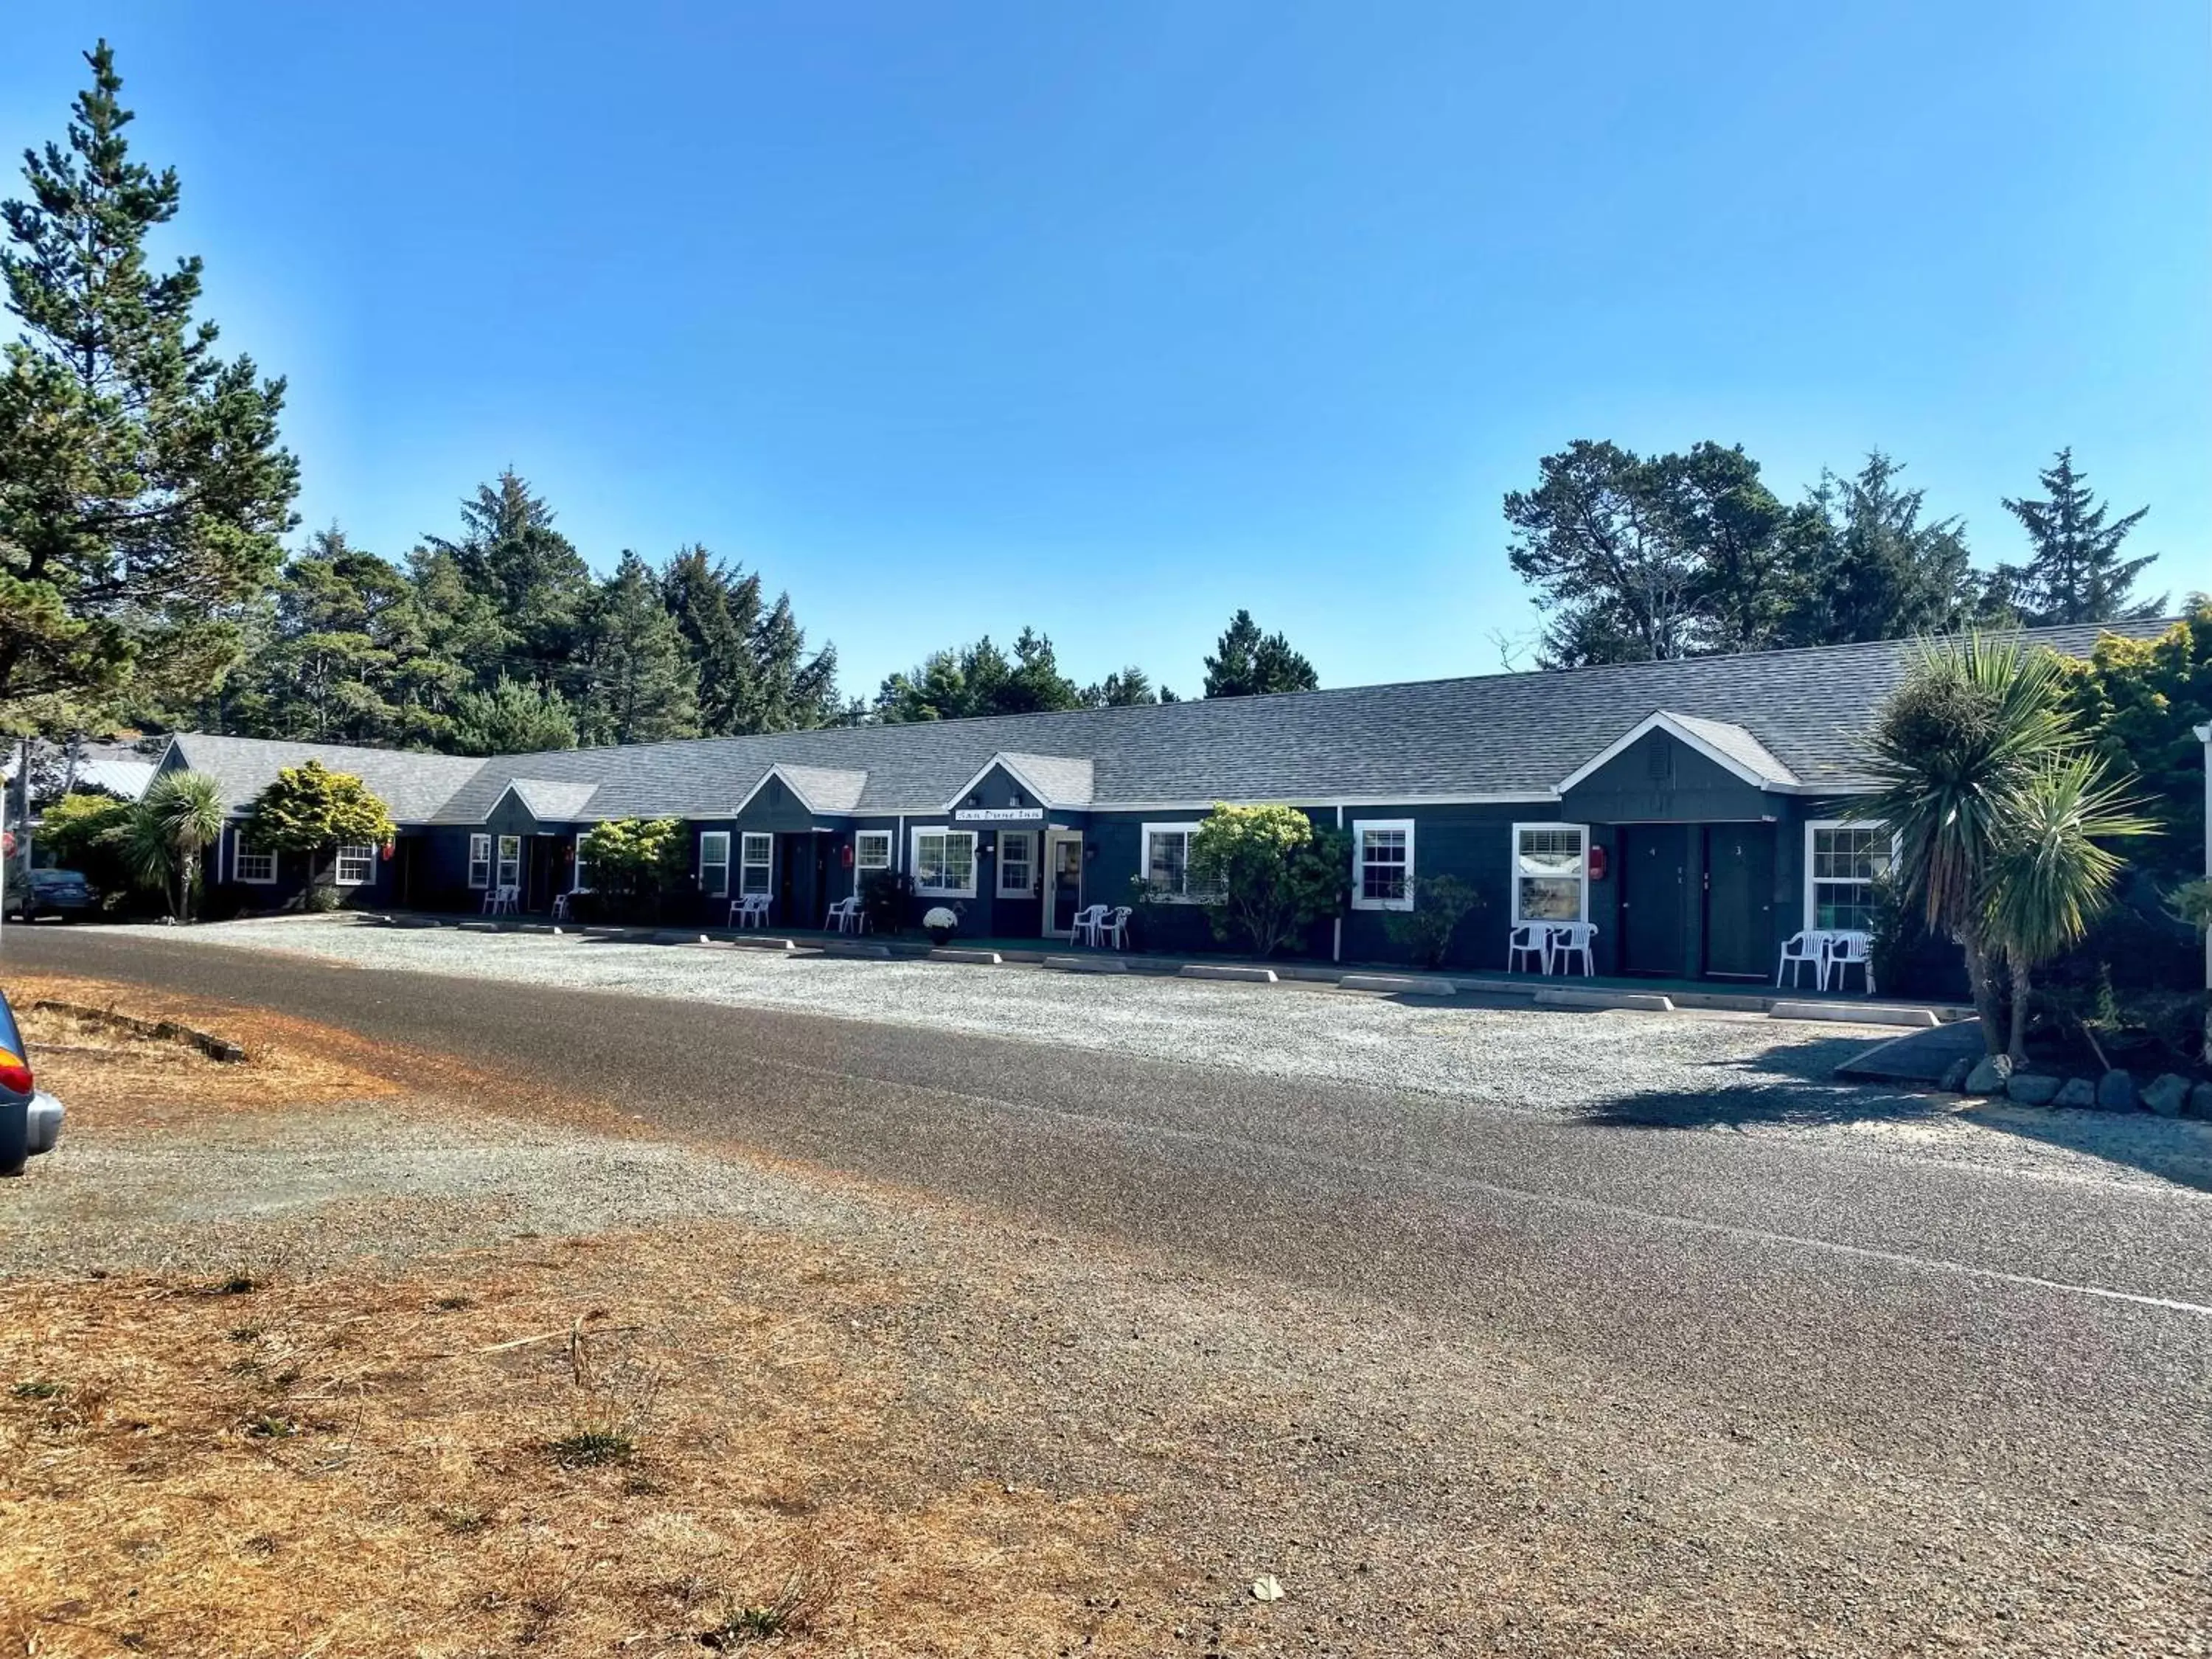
553 803
1739 745
412 787
1786 713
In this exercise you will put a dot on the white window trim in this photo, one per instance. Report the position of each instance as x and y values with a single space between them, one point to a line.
367 853
747 863
1812 893
1359 829
479 859
1513 866
709 838
579 868
1029 836
240 852
861 867
500 861
914 847
1185 826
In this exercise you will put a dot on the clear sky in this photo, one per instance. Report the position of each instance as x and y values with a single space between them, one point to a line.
1111 318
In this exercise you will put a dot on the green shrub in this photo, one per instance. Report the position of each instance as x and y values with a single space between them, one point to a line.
1440 904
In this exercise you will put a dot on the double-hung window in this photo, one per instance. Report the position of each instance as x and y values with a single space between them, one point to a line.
1165 859
1382 864
714 863
579 878
944 863
510 861
479 861
1550 872
872 850
356 865
756 865
249 863
1843 862
1017 863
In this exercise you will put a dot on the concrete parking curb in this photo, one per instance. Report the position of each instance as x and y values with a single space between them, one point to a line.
950 953
1087 965
1398 985
1226 970
1848 1014
1642 1002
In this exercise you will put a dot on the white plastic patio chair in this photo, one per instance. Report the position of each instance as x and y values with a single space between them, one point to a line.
1799 952
1530 938
846 916
1089 921
1846 950
502 901
750 911
1570 938
1112 927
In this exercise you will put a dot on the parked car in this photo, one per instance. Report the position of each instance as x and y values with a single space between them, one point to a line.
63 893
30 1120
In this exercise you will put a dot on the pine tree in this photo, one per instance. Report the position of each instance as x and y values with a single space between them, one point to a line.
535 582
754 672
980 679
1246 662
1868 568
144 494
642 687
514 717
2076 573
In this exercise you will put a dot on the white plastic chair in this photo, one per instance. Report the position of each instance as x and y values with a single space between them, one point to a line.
561 907
1112 927
501 901
846 916
1800 950
1530 938
750 911
1845 950
1570 938
1089 922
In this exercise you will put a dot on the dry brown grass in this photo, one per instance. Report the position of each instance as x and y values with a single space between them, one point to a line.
621 1445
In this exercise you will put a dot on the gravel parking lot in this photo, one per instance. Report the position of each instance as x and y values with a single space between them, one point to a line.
1743 1074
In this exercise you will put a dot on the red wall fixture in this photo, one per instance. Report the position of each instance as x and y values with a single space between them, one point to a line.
1598 864
845 855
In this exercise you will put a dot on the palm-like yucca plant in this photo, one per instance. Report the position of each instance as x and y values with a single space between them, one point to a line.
1974 720
2048 877
177 818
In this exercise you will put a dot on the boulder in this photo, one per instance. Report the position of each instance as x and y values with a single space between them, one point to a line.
1955 1076
2080 1095
2116 1092
2032 1089
2167 1096
1990 1074
2200 1102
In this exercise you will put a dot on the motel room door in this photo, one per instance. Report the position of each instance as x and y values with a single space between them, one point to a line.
1654 870
1063 881
1738 900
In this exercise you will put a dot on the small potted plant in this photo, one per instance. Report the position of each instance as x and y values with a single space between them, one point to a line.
940 924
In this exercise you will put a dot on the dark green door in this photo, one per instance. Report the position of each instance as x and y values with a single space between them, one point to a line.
1653 869
1738 900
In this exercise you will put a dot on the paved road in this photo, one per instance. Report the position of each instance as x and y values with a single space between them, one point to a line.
2051 1339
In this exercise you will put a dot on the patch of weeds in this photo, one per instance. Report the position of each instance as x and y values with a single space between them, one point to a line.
797 1607
244 1365
269 1426
246 1334
588 1448
37 1387
462 1520
453 1303
236 1284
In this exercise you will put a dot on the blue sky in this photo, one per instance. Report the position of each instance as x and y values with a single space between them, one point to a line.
1112 318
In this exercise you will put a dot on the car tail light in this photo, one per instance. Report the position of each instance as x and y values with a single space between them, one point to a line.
15 1073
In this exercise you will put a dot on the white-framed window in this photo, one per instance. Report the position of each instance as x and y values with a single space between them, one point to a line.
944 863
479 861
510 861
1843 859
1164 856
250 864
872 850
1017 863
1382 864
356 865
1550 872
580 877
714 863
755 862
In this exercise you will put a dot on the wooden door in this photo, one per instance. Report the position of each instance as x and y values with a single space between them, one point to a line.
1654 870
1738 900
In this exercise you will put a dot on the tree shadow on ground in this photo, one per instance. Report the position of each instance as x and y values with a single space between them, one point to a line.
1793 1085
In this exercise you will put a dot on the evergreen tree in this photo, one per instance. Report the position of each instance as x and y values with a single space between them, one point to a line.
1733 527
1602 540
980 679
143 490
2074 573
1246 662
1131 686
533 580
1867 567
514 717
754 672
642 687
